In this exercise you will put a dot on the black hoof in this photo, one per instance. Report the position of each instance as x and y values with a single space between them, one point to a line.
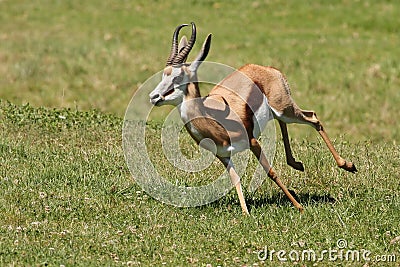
349 166
297 165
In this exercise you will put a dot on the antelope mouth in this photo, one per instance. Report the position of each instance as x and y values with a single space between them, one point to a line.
157 99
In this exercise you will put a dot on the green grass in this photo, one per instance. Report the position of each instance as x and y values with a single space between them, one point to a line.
67 195
340 57
68 199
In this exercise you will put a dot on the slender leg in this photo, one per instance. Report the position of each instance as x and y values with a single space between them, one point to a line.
236 182
288 151
256 149
311 117
342 163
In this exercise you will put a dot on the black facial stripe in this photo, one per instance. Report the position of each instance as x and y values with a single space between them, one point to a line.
169 90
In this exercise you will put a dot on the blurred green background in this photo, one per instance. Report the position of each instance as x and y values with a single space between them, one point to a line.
340 57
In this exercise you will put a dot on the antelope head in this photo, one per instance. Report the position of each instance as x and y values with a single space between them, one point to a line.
178 74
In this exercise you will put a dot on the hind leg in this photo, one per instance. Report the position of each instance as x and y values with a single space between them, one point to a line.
310 117
297 165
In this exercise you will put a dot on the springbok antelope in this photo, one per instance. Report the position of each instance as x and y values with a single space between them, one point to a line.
235 111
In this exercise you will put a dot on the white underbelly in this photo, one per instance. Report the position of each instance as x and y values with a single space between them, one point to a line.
279 116
261 117
236 147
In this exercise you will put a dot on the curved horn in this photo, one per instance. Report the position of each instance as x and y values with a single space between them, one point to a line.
185 52
174 46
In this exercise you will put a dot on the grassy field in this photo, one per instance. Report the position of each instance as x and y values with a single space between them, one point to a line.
68 197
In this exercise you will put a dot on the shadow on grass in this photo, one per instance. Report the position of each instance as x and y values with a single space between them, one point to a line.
305 199
280 200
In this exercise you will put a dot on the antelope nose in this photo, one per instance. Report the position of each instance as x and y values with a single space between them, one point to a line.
154 96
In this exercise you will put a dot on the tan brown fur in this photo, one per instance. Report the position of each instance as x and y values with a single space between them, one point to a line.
241 92
229 113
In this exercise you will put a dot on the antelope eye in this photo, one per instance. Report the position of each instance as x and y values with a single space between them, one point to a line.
178 79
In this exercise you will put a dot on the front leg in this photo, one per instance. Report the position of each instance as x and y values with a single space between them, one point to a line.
236 182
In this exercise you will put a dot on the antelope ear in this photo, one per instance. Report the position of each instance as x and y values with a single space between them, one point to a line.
182 44
202 54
